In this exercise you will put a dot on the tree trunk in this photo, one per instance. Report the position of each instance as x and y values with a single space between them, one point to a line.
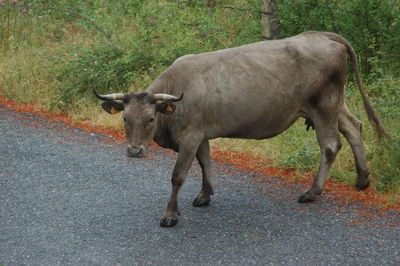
269 19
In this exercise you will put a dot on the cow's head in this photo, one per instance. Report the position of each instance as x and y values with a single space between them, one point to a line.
140 116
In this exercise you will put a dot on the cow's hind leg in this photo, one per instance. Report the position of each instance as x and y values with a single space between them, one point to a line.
326 127
203 156
187 152
351 127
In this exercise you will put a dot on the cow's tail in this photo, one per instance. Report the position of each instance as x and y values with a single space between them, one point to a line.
372 117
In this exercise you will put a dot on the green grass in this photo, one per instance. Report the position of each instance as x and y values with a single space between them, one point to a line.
56 61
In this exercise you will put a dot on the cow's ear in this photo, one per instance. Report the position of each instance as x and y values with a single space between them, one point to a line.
112 107
165 108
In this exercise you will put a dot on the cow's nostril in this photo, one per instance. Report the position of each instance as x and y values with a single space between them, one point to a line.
134 152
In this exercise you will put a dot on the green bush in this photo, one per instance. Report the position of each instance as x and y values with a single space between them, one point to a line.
386 165
162 33
101 69
306 158
372 26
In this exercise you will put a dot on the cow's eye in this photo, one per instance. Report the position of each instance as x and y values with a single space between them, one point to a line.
151 120
124 119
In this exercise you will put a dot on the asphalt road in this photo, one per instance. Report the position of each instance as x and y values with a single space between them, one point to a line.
70 197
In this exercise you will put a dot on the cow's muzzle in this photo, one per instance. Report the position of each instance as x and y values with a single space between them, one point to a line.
136 152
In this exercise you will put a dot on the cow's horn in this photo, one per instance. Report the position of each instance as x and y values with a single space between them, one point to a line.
167 97
110 97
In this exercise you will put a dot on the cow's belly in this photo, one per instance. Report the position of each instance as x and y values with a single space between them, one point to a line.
259 129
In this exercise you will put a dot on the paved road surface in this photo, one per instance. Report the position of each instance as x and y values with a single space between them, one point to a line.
70 197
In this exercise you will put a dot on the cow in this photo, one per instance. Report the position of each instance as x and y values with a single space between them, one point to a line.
254 91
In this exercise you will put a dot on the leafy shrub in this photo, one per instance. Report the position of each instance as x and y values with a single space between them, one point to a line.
385 93
306 158
105 69
372 26
162 33
386 165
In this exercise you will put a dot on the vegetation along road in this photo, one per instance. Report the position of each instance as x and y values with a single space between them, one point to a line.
71 197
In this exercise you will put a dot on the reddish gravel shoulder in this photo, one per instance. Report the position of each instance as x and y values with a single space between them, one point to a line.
341 193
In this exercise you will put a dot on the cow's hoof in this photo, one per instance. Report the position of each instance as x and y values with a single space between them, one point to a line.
168 222
199 202
362 185
306 198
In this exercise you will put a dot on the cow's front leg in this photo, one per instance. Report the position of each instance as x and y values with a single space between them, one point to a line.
182 166
203 156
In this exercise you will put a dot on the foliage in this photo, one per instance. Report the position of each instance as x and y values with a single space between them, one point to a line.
386 157
386 165
158 39
305 158
104 69
385 91
371 26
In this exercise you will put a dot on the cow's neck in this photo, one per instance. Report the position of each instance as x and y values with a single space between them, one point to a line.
162 135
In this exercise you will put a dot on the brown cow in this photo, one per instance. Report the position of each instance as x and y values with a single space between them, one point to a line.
254 91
